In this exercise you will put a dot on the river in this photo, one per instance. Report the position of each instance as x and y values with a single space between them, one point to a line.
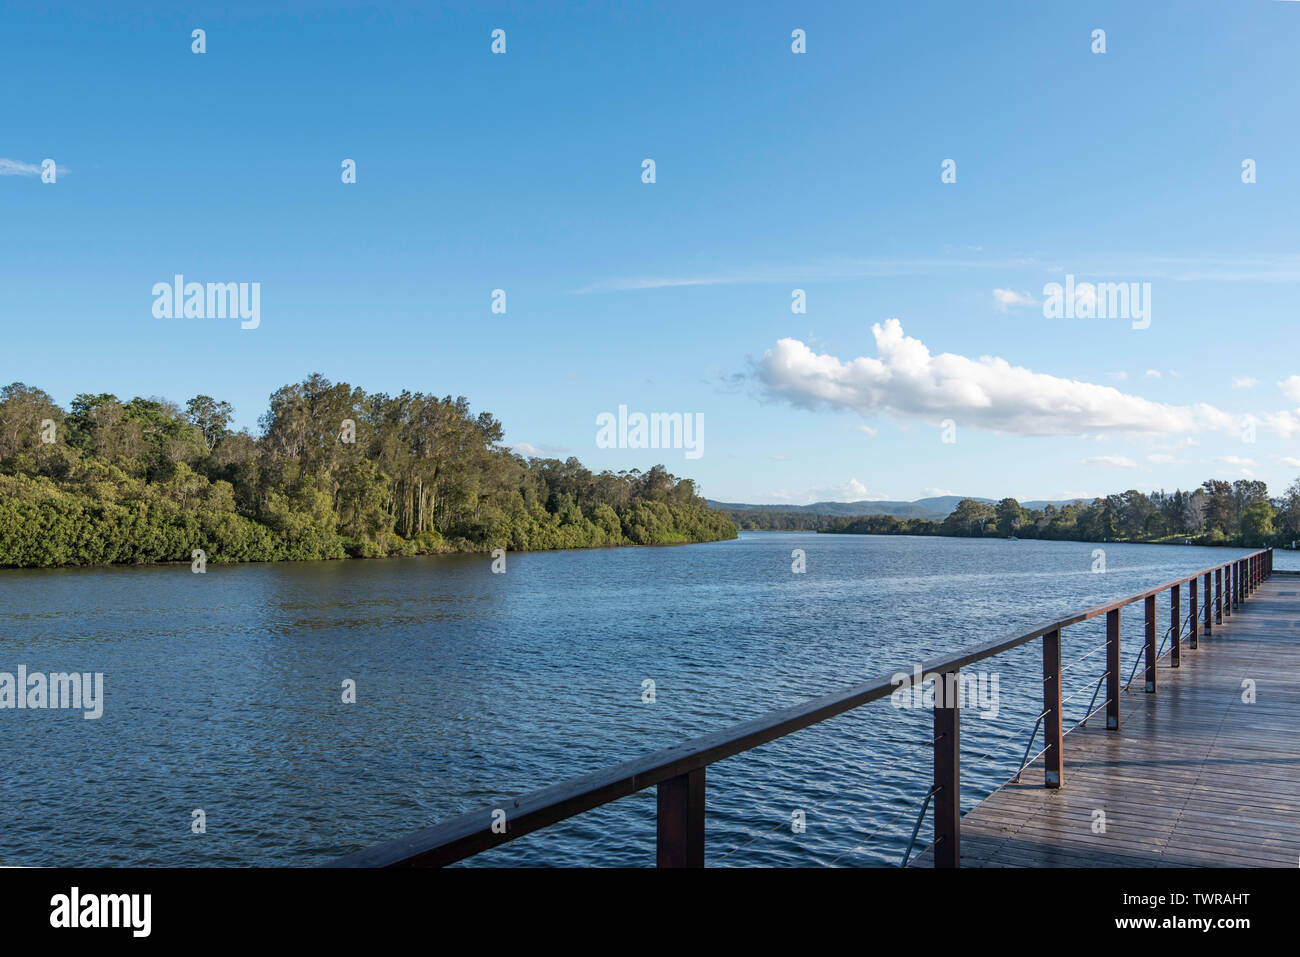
223 693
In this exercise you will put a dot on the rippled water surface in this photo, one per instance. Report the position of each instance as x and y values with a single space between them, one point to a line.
222 692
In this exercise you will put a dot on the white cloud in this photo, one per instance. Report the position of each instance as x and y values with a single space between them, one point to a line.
1285 424
1291 461
850 491
1117 376
779 458
527 449
12 167
1244 382
986 393
1291 387
936 492
1005 298
866 429
1153 373
1161 458
841 268
1111 461
1235 460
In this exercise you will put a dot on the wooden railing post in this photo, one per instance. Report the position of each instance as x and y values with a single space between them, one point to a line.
1227 590
1112 669
947 774
1194 613
1151 644
1176 626
680 822
1209 605
1218 595
1052 724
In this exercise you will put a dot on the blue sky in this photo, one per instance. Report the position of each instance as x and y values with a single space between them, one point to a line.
774 171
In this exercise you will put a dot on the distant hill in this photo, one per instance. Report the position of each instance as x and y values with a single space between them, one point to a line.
936 508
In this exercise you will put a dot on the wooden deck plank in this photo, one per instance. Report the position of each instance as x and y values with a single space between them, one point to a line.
1196 777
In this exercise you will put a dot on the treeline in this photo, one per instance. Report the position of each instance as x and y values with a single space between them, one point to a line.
1218 513
764 520
333 473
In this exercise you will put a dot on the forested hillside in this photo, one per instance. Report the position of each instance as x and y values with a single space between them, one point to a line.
334 473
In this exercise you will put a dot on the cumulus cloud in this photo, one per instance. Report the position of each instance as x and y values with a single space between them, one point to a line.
1236 460
1006 298
1291 461
1244 382
987 393
1291 387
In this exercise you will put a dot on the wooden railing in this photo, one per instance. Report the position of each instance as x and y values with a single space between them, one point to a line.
678 772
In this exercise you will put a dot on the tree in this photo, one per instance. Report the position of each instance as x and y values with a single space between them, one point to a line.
1257 524
211 417
1009 516
1288 509
969 518
1219 506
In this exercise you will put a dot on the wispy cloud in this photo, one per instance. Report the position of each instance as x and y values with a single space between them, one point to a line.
830 270
13 167
1112 461
1258 268
850 491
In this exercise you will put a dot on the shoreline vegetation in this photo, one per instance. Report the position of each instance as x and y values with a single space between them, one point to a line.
335 473
1239 514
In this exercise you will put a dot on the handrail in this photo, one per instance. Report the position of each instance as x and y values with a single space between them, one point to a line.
678 771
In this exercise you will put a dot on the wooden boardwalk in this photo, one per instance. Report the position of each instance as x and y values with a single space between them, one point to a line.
1195 777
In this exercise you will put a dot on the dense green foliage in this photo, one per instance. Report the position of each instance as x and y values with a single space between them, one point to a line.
1218 513
334 473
